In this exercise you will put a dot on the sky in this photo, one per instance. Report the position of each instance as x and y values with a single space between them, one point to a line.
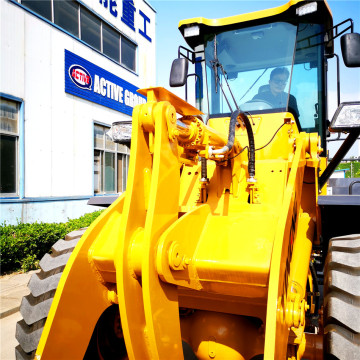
168 39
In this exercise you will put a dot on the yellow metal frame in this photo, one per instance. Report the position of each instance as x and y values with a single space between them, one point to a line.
81 296
162 245
238 19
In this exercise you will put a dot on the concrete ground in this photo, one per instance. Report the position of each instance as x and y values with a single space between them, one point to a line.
12 289
8 341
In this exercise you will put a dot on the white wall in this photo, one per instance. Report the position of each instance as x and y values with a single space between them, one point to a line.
59 126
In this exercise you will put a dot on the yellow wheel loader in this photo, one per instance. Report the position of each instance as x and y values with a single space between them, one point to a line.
220 247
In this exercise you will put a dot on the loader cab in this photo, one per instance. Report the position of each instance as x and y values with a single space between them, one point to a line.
278 72
274 61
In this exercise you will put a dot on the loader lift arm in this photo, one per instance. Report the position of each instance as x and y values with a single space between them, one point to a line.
157 253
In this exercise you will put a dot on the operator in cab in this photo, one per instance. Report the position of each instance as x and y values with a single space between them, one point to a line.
274 93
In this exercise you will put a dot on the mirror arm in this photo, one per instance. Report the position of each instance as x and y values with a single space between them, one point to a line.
190 55
337 75
335 27
199 81
326 33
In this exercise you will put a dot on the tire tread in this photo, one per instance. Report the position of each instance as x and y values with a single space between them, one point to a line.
342 298
35 307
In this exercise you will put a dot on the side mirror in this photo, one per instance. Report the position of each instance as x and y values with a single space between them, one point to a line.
179 72
350 48
346 117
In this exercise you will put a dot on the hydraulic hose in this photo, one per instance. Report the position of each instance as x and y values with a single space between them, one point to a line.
231 136
231 139
251 166
316 288
204 174
203 169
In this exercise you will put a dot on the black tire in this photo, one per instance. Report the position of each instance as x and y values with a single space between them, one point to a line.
35 306
107 341
342 299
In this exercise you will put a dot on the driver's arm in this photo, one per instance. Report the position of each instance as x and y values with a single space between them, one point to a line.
293 105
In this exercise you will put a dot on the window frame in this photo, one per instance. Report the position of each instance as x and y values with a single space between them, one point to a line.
78 18
20 150
135 54
216 99
119 39
91 17
124 154
51 14
102 21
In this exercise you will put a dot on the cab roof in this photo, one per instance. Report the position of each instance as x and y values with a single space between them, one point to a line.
286 12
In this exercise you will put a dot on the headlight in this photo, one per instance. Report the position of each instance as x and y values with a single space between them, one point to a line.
192 31
120 131
346 117
306 9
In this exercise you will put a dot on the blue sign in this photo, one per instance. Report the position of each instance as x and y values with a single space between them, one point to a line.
128 14
90 82
112 6
143 32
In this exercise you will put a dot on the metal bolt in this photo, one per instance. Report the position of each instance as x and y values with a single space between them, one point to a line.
177 259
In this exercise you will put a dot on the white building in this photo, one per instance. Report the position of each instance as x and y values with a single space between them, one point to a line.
69 69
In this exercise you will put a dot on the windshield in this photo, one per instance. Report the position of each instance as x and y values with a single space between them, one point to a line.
270 68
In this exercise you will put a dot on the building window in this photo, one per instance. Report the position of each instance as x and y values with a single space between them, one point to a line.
88 27
128 50
111 163
42 8
66 15
111 42
9 139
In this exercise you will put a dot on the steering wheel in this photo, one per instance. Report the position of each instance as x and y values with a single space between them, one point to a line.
256 104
